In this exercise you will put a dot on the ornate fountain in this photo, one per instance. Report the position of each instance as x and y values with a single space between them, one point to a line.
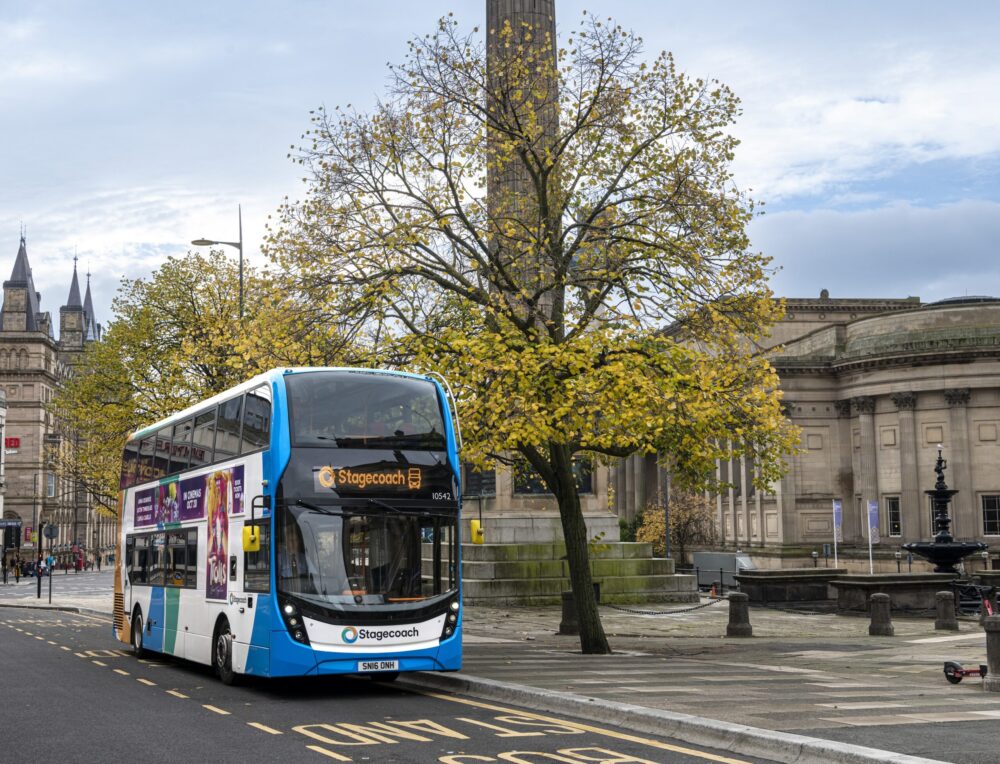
944 552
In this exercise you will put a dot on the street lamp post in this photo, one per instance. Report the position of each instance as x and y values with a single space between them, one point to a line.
237 244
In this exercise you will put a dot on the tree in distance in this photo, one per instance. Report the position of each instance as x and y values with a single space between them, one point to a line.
604 302
691 522
175 339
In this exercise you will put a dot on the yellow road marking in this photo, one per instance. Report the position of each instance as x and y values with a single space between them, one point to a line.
80 655
63 647
51 642
17 629
122 672
325 752
177 694
591 729
98 663
42 638
146 682
264 728
216 710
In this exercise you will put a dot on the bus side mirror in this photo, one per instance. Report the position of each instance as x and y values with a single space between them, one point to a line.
251 539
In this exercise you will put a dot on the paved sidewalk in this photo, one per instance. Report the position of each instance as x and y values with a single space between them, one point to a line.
818 675
812 674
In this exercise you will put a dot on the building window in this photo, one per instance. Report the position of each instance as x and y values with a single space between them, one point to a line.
991 515
528 482
893 516
50 485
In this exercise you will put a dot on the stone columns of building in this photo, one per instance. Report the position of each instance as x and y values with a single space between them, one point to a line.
844 487
916 520
719 508
788 518
963 514
866 483
744 510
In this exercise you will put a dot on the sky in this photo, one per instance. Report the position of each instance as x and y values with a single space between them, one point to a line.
870 130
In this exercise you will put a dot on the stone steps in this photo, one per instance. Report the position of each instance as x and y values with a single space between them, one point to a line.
537 574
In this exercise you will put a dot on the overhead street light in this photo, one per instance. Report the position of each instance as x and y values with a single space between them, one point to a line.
237 244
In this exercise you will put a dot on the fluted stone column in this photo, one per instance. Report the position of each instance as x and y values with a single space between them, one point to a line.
866 483
844 490
916 520
964 522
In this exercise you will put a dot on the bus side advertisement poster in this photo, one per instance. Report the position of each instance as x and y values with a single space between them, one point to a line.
181 500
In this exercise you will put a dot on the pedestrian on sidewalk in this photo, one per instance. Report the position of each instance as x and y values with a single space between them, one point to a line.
17 570
4 571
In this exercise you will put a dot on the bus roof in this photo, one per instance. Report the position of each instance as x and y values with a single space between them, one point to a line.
266 377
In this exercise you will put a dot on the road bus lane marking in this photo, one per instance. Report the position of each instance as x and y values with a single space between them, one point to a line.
510 725
624 736
265 728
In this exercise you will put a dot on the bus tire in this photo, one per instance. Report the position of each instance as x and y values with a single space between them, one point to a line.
138 640
223 654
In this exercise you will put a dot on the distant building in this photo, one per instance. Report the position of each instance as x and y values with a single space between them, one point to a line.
875 386
32 366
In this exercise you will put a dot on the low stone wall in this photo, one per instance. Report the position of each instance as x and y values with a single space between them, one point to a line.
789 584
909 592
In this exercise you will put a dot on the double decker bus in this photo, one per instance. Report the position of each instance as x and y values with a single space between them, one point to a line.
302 523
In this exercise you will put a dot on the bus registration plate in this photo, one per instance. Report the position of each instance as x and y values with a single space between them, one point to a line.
378 666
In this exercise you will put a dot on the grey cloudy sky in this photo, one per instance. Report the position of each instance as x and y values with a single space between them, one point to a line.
870 130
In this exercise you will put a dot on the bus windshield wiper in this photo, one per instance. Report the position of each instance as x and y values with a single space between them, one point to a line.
317 508
383 505
399 511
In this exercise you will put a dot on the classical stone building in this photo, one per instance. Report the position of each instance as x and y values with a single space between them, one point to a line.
876 386
32 365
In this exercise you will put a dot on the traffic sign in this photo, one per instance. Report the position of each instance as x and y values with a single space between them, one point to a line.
50 531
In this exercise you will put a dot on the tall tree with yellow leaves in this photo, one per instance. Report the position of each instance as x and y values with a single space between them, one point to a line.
176 338
608 307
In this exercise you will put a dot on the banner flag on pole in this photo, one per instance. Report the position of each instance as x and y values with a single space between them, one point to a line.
873 534
838 521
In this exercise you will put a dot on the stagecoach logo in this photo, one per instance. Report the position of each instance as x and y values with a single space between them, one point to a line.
233 599
333 478
349 635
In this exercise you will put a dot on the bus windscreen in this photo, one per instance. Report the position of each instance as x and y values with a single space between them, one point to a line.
333 409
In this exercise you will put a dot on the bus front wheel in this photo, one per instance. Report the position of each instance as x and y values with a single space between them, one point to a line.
138 650
224 654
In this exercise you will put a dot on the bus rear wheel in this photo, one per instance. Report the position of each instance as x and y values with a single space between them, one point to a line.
138 649
224 654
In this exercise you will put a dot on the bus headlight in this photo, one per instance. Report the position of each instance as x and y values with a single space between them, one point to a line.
294 624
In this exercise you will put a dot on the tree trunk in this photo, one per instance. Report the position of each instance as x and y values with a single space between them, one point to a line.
592 638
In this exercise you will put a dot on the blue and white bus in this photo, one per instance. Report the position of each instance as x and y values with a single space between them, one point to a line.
302 523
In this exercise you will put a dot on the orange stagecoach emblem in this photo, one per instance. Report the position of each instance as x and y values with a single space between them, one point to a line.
334 478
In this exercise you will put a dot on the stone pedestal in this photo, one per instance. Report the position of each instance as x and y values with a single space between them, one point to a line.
739 616
992 681
881 624
912 593
946 620
789 584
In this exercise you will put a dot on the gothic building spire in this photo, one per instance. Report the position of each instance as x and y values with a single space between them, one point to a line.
92 329
73 301
20 311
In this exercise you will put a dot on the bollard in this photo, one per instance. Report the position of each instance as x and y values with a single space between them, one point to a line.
881 625
991 683
569 624
946 620
739 616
